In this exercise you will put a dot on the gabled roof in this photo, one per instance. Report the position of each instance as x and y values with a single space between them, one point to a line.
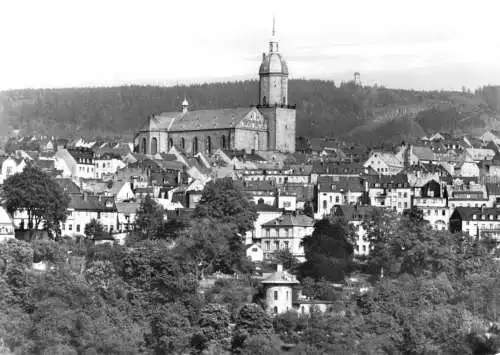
200 119
336 168
394 181
289 220
280 277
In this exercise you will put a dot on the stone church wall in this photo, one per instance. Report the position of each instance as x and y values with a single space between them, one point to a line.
202 137
250 139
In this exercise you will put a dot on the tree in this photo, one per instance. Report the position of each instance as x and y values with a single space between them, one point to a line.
214 327
206 244
37 193
285 258
48 250
327 251
170 332
94 230
224 201
252 321
149 219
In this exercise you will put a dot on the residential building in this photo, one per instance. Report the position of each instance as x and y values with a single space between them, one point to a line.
286 232
6 226
392 192
384 163
477 222
79 161
334 191
107 164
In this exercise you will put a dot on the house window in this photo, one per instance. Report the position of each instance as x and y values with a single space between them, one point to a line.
268 245
268 233
337 199
275 295
77 227
287 295
275 309
324 205
277 245
287 245
70 227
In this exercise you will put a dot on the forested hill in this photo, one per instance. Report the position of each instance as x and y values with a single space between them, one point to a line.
323 109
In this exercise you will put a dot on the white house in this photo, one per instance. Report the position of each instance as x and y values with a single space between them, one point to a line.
334 191
278 289
255 252
79 161
127 212
83 208
10 166
107 164
265 213
286 232
6 226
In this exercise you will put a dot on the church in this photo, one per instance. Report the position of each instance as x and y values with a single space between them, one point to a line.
267 126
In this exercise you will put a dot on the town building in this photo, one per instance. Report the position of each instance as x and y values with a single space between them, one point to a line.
269 126
79 161
334 191
286 233
477 222
6 226
278 288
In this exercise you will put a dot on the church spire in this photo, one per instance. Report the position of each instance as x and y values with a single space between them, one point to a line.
273 43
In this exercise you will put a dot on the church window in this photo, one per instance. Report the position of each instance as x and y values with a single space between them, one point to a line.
154 146
264 101
143 146
183 143
228 141
195 145
223 142
209 145
256 142
275 295
170 143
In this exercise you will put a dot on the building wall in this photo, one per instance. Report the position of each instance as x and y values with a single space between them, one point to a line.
281 123
250 139
278 298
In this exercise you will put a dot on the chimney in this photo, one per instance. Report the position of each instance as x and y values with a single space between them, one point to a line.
279 268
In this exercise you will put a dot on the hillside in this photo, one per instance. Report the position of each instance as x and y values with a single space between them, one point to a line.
323 109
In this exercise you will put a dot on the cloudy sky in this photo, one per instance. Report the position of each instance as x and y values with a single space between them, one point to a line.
425 44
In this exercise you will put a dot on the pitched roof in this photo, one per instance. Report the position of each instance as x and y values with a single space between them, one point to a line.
92 203
343 184
280 277
68 186
493 188
423 153
467 213
337 168
289 220
127 207
200 119
353 213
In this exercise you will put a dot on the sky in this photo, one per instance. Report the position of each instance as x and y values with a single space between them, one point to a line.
438 44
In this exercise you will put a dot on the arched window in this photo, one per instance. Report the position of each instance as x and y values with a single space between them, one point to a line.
154 146
170 143
144 146
275 295
223 142
256 142
208 145
324 204
264 101
183 143
228 141
195 145
275 310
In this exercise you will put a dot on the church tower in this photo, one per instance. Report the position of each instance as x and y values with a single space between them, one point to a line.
273 99
273 74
